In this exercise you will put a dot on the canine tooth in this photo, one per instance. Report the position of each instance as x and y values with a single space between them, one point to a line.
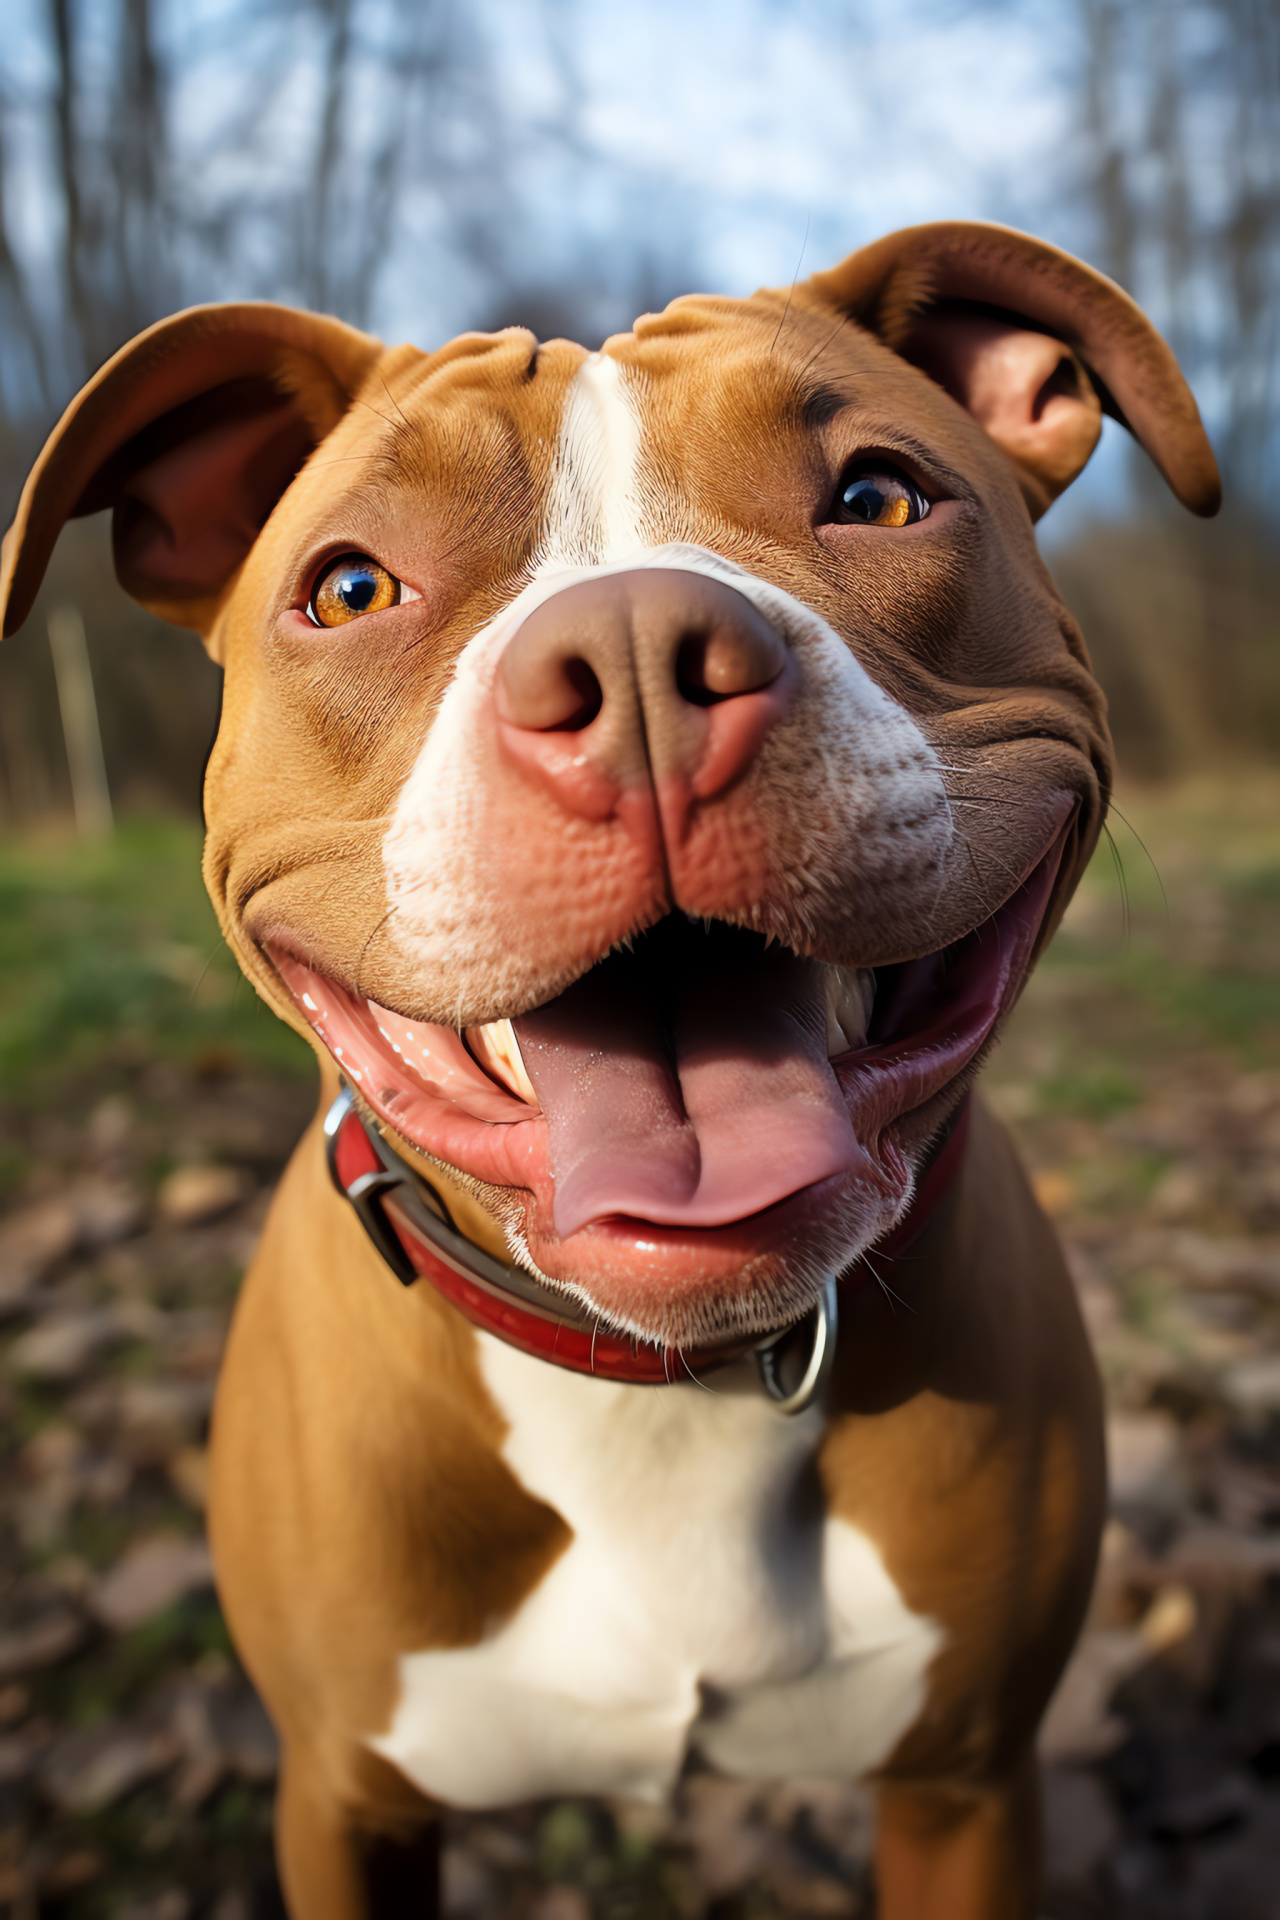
496 1048
850 994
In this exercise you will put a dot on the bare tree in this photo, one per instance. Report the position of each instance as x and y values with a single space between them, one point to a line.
110 150
1180 126
1179 116
332 152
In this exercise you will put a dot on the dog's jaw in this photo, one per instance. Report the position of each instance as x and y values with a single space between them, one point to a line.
708 1265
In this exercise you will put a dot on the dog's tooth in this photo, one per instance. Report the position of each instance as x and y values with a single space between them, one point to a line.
496 1048
850 994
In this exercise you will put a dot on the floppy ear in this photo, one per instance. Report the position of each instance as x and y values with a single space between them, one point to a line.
190 433
1034 344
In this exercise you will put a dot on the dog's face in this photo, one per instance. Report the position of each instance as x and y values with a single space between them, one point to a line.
648 773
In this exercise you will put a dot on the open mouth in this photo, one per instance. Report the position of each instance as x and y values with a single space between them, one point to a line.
700 1113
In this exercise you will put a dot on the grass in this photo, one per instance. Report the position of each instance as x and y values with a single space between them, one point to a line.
110 952
1171 948
1160 994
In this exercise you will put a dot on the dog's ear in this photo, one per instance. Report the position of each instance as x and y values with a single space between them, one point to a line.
1034 344
190 433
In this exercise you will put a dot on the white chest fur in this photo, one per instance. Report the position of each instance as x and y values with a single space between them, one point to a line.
704 1600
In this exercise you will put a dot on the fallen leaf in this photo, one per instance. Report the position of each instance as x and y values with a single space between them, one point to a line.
1253 1387
158 1417
40 1644
193 1194
1144 1460
1079 1725
32 1241
1171 1617
65 1344
150 1577
189 1472
106 1211
1055 1191
93 1768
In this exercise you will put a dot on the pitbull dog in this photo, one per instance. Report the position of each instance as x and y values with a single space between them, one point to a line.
646 777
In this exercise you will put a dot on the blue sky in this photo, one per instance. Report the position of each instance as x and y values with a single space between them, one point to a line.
750 124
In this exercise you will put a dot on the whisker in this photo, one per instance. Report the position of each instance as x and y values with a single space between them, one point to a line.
883 1284
1122 880
1150 857
199 980
795 276
692 1375
371 937
369 406
813 360
340 460
395 403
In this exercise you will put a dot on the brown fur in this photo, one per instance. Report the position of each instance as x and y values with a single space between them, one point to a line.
361 1504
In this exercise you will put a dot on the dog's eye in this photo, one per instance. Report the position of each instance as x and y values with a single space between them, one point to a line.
352 586
874 494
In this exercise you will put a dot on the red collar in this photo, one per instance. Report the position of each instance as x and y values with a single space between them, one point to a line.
410 1227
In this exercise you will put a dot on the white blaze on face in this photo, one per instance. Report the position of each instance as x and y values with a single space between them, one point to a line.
593 511
855 783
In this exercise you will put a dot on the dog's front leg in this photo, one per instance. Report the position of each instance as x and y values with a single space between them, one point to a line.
946 1855
333 1868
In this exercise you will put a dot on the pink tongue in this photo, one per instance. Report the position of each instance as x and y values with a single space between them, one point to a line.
722 1108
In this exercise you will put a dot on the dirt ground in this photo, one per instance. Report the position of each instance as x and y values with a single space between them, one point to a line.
147 1110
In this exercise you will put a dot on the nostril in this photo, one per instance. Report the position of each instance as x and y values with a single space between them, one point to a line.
728 660
588 697
548 696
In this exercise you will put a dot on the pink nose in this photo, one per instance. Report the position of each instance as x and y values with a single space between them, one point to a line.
656 677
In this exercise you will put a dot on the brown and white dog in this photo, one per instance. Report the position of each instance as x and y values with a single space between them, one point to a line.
647 776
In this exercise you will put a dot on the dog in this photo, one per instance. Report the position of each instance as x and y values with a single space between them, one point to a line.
646 777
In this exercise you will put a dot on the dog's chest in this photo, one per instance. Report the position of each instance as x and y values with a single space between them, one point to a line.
704 1601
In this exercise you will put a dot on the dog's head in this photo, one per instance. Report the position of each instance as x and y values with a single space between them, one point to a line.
649 773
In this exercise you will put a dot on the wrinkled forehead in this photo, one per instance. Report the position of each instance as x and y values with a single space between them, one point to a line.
714 366
702 417
696 347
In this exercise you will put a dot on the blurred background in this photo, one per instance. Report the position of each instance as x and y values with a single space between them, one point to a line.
424 166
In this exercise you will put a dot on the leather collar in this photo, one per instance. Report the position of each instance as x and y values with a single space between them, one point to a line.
409 1225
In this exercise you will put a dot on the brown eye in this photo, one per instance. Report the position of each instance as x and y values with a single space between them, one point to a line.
873 494
352 586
